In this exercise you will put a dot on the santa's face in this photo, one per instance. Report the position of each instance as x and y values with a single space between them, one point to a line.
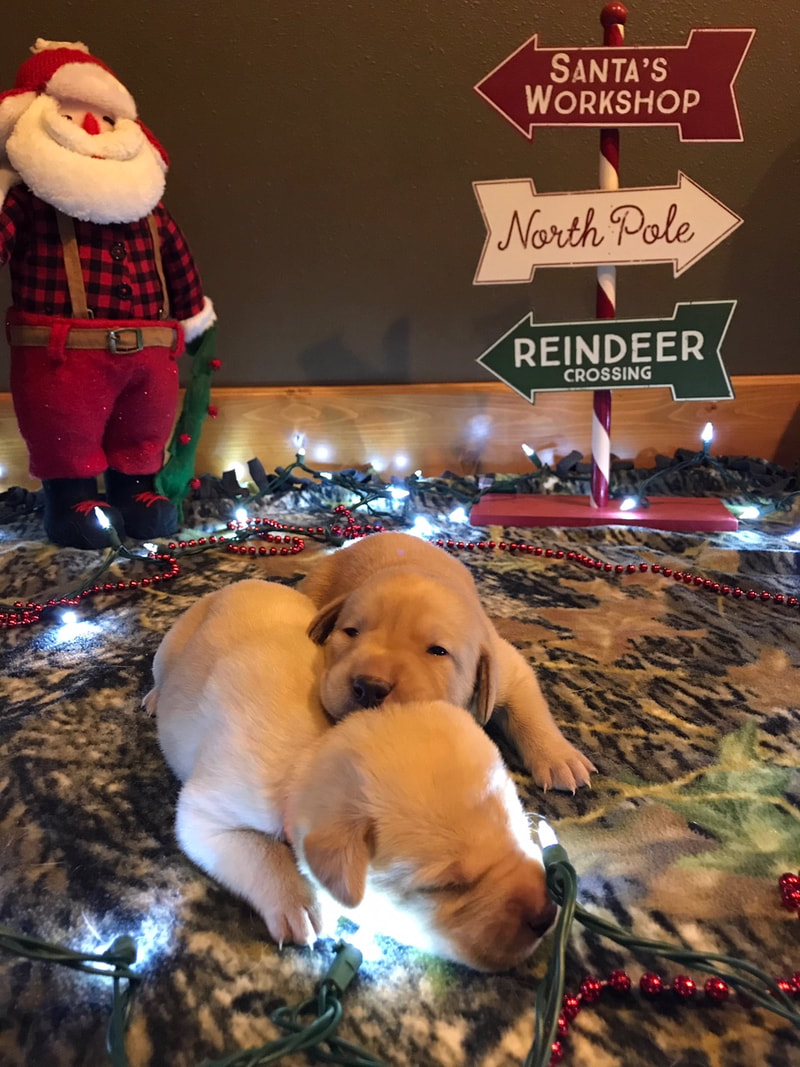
84 115
90 165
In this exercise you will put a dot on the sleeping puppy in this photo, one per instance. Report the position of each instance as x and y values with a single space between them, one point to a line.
278 802
400 620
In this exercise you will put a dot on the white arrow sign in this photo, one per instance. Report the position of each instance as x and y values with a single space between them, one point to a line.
674 224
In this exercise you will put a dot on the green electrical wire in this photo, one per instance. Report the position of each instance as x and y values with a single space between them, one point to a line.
114 963
562 885
325 1010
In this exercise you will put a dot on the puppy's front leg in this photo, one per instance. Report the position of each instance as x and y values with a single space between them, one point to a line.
551 759
253 865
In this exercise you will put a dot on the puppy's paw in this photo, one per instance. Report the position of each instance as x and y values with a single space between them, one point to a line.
150 702
293 915
561 768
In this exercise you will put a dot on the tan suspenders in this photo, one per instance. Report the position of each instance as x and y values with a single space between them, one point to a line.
72 265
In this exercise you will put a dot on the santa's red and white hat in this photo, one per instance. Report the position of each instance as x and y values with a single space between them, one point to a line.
67 70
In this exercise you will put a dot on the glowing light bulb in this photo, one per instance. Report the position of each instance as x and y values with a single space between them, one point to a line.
706 437
480 426
326 475
102 518
422 527
458 515
629 503
73 629
377 463
527 450
148 546
418 474
750 512
546 834
794 537
240 515
396 493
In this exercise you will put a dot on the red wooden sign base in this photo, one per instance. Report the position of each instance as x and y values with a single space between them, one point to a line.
686 514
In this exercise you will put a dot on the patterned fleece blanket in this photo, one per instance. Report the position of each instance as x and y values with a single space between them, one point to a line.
687 700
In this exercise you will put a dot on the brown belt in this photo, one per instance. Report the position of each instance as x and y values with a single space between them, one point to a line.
126 340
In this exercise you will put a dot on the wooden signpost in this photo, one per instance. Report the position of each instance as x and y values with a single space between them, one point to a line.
690 86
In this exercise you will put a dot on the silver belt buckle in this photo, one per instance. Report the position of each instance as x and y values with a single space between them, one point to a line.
116 343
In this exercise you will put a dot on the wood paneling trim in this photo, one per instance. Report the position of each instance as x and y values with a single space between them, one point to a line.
466 427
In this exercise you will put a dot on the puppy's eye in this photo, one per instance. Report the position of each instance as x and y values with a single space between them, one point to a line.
351 631
109 120
437 650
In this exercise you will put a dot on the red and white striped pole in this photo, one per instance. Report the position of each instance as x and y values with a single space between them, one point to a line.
613 19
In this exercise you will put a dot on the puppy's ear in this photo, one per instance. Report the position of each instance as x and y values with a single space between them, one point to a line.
319 629
338 854
333 827
484 694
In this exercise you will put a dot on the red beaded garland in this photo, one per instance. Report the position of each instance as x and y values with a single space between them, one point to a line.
686 577
591 989
25 615
684 986
619 981
716 989
651 984
556 1052
570 1006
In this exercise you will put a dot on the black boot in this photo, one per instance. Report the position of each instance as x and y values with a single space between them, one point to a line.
145 512
69 517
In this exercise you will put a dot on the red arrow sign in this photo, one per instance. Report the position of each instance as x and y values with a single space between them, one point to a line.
689 86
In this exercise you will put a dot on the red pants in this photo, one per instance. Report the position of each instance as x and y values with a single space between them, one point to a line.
81 411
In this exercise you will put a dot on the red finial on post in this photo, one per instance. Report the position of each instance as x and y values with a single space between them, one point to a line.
613 14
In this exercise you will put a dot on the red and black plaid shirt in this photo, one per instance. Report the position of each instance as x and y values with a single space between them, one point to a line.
119 268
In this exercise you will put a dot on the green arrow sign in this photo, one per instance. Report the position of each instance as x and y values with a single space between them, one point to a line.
682 352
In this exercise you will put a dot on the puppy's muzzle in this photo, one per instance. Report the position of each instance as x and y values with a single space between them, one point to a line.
370 692
544 921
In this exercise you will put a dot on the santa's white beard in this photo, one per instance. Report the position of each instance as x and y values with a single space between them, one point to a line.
57 161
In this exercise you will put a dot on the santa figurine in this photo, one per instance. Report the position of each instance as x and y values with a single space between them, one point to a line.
105 294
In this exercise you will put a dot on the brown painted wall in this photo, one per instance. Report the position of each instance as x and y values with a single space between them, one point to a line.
323 154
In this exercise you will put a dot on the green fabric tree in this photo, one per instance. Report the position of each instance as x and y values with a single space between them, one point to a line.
174 477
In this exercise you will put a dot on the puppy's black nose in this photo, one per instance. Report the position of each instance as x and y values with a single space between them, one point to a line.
544 921
370 692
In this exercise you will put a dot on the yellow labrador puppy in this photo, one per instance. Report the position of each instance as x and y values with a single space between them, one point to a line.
278 802
400 620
